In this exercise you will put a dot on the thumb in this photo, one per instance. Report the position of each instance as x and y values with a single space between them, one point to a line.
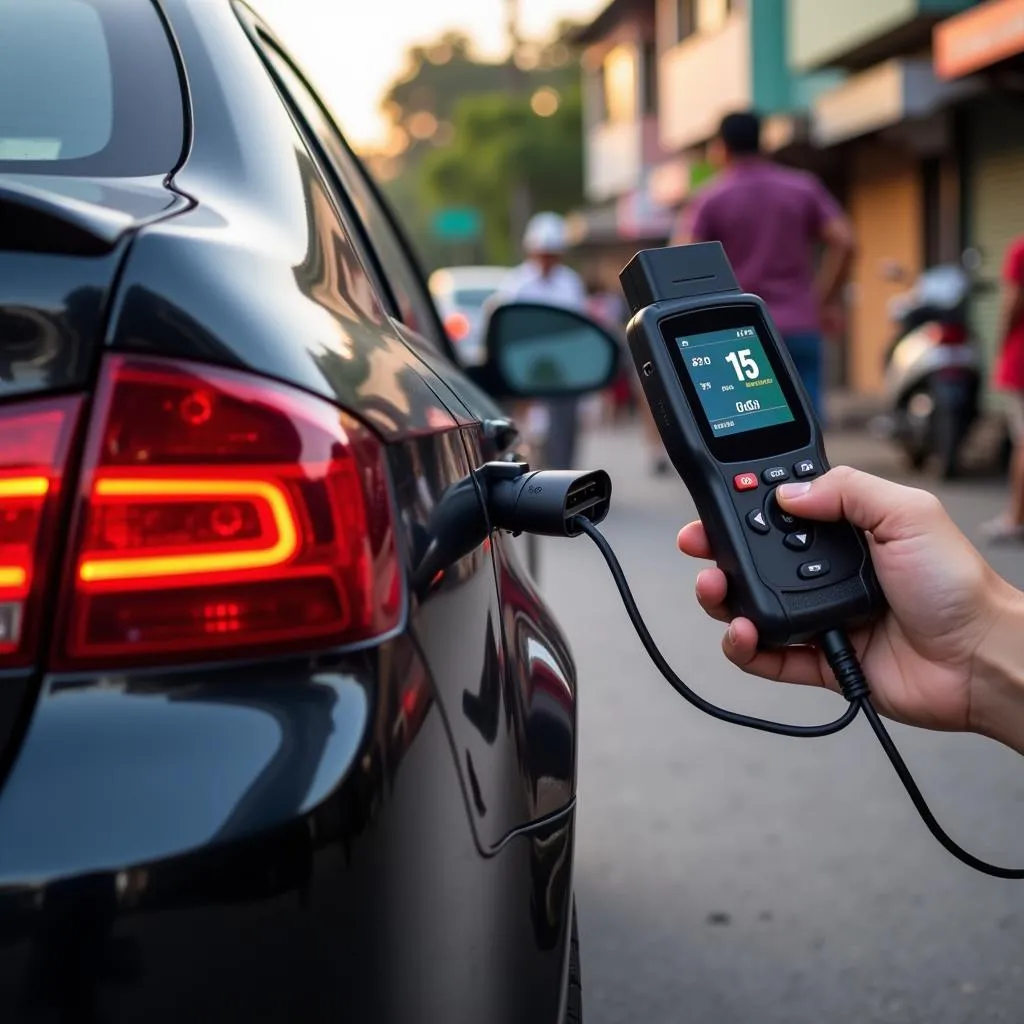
886 510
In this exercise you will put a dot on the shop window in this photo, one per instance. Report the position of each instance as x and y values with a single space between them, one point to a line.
599 95
686 19
650 79
712 14
703 16
620 85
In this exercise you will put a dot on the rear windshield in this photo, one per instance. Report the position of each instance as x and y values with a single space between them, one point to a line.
87 87
471 298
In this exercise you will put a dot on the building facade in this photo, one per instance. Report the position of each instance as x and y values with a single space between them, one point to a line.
620 89
715 57
912 111
891 123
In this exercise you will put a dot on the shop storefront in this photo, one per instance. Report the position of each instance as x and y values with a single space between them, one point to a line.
890 126
885 205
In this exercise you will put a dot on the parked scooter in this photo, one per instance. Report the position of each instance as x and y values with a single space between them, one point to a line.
933 368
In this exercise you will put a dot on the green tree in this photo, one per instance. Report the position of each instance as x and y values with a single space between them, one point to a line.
501 143
468 136
442 73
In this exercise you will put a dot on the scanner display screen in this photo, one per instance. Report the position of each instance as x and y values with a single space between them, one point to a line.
734 379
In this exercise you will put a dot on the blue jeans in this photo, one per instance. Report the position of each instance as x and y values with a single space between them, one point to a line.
806 352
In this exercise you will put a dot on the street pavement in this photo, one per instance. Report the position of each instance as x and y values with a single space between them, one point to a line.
728 877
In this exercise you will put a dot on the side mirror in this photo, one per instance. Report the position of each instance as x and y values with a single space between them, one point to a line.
539 351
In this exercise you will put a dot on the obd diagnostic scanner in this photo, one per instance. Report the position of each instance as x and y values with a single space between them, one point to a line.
736 422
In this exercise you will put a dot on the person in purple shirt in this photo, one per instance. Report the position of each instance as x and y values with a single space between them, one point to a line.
772 221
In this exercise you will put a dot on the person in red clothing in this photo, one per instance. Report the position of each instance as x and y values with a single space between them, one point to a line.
1009 378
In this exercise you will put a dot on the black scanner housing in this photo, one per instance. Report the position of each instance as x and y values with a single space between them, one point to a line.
762 572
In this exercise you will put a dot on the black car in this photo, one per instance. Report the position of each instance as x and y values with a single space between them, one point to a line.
277 741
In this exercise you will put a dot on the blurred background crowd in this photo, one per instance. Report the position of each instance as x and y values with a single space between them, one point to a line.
909 112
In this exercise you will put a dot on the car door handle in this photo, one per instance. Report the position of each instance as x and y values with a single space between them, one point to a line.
499 435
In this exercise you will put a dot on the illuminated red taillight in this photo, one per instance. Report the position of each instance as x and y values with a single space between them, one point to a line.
457 326
222 515
33 453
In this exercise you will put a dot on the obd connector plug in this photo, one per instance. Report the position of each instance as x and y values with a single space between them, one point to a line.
544 501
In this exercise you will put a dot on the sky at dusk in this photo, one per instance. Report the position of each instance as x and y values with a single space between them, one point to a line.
352 49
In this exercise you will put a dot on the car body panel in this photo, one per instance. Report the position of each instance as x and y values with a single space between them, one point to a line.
311 319
105 208
302 882
52 307
378 834
312 806
341 344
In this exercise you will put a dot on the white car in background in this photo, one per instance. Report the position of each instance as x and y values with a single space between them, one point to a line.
460 294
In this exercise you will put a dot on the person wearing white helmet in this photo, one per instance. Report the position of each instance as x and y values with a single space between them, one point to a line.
544 278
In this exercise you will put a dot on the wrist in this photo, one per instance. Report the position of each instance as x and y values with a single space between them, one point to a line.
997 685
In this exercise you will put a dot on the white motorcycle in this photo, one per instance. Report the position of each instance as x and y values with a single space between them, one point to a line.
933 369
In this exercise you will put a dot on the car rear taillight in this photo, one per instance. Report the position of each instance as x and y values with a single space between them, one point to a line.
949 334
36 444
222 515
457 326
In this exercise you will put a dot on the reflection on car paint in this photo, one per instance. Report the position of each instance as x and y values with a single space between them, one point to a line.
294 839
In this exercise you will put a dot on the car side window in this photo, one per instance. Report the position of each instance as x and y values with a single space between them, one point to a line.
413 305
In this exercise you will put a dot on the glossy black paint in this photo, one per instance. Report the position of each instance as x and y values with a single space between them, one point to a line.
67 214
382 835
284 842
51 314
54 297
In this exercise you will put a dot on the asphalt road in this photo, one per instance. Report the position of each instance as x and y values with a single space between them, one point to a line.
731 877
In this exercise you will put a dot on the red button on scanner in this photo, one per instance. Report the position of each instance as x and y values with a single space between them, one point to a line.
745 482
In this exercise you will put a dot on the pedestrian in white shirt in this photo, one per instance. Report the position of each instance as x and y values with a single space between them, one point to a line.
544 278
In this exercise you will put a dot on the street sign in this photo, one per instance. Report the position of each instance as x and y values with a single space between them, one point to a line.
700 173
457 224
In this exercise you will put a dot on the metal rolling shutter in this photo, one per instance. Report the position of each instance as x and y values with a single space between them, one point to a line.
885 205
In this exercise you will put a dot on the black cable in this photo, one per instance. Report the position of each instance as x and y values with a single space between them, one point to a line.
807 731
845 665
921 805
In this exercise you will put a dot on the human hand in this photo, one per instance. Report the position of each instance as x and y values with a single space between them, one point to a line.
922 659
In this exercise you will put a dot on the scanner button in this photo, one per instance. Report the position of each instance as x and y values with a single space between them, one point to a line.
812 570
804 468
783 520
745 481
798 541
757 522
775 475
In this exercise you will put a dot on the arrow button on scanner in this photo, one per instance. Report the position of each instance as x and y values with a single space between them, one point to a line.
757 522
799 541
